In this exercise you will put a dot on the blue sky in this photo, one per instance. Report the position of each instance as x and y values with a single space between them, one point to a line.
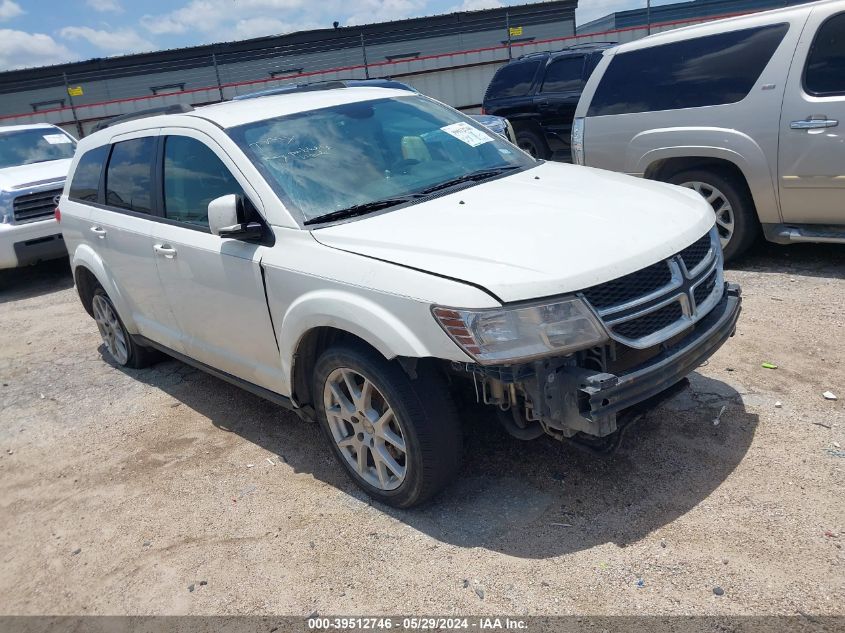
42 32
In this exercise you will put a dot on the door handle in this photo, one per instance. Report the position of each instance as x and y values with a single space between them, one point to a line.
813 123
98 231
164 249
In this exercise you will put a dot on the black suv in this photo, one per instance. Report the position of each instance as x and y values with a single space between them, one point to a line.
538 93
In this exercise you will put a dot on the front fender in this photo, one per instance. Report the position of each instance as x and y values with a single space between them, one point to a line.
395 326
651 146
86 257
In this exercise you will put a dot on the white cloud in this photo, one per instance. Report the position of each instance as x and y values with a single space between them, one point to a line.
369 11
19 49
261 26
216 16
103 6
9 10
475 5
115 41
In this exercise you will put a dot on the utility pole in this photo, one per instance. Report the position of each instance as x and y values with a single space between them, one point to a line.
508 29
364 54
648 16
72 107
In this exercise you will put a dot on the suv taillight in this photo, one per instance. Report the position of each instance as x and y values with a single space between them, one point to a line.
577 145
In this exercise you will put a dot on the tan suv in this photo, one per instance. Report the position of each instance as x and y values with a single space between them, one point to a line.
746 111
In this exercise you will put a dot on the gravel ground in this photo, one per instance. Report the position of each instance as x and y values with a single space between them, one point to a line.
167 491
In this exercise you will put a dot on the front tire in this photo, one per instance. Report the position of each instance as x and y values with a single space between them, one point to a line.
119 345
398 439
533 143
736 218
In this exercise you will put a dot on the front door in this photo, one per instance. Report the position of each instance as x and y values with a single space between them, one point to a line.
811 160
214 285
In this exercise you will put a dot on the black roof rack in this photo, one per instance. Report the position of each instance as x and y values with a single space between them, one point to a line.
329 84
178 108
566 49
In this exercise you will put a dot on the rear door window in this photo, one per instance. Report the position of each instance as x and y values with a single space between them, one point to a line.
193 177
705 71
85 185
513 80
564 75
129 175
825 72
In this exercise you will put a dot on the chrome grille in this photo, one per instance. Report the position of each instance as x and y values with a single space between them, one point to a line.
656 303
35 206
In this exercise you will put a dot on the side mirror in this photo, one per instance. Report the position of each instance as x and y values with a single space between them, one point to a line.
226 218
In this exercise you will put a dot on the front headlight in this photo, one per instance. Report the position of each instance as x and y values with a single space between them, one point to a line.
508 335
6 211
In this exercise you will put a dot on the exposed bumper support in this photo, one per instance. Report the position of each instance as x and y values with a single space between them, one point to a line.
581 400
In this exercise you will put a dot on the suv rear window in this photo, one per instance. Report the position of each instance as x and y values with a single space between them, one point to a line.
129 175
512 80
85 185
825 74
704 71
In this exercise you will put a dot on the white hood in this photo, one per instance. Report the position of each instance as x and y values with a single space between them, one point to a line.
542 232
34 174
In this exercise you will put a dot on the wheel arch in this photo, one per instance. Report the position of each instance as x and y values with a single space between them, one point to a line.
658 154
89 271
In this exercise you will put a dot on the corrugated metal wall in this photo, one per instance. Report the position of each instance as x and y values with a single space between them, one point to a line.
458 78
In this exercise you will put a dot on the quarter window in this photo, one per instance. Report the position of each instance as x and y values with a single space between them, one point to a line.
85 185
825 72
564 75
704 71
128 177
193 177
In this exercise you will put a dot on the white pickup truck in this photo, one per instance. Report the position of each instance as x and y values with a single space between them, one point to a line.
34 161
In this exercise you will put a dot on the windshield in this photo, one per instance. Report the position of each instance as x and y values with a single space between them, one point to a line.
353 155
34 146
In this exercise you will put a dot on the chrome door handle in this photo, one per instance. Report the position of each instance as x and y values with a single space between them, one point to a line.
98 231
813 123
163 249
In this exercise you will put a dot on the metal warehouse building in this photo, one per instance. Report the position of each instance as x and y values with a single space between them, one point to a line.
451 57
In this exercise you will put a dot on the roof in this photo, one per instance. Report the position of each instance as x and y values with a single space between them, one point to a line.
27 126
721 26
232 113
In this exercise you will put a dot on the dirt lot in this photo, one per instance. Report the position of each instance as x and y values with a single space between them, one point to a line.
122 491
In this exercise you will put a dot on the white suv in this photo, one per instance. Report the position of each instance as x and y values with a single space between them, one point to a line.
367 257
34 161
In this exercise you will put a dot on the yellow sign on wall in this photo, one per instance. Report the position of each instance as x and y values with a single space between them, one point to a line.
75 91
516 31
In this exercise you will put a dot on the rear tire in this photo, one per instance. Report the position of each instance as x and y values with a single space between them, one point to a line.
736 217
398 439
118 343
532 142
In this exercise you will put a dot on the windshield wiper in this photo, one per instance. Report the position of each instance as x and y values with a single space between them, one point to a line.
358 209
475 176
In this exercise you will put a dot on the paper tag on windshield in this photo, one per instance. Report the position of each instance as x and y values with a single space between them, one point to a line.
56 139
468 134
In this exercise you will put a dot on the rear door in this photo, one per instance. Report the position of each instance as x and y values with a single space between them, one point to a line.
811 161
214 285
558 96
119 226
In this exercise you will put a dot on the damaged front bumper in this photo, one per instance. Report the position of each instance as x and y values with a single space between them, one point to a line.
567 398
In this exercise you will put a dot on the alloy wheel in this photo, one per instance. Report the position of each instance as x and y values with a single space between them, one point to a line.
111 330
721 207
365 429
